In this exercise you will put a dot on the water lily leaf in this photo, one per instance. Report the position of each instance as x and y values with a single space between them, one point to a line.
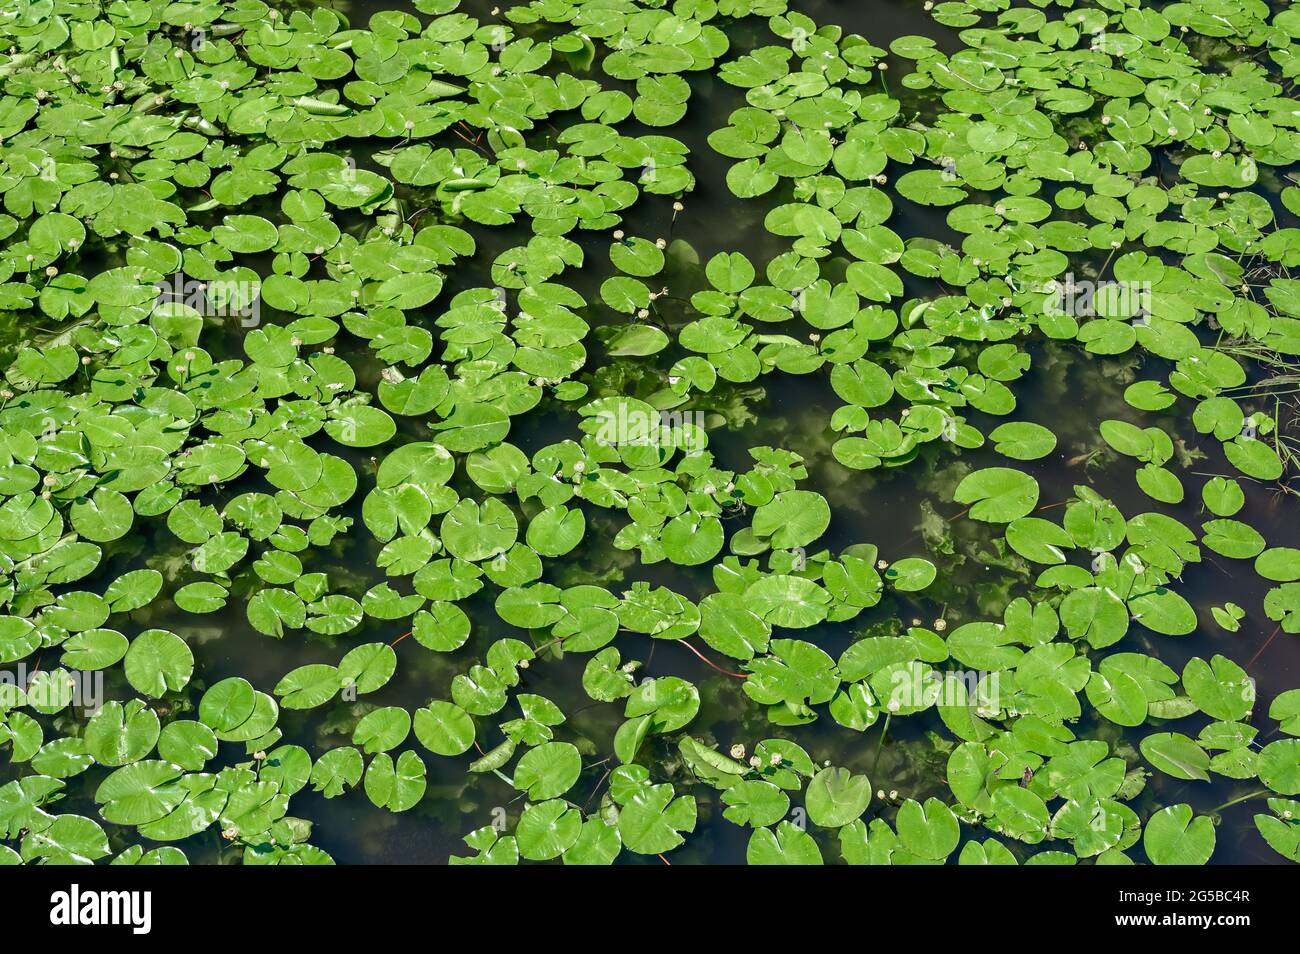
158 662
786 845
549 829
1177 755
911 574
308 686
1173 837
550 768
1022 440
836 797
755 803
1279 766
444 728
397 786
998 494
794 518
929 831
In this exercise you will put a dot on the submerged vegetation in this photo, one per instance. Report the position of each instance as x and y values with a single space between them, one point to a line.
649 429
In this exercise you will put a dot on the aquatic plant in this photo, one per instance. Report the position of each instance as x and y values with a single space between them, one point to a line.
588 427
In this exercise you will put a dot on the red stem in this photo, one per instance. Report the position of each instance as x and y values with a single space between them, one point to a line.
725 672
1264 647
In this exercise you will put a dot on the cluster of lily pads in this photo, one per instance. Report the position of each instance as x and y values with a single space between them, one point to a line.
285 297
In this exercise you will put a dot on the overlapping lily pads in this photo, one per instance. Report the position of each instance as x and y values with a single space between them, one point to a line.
388 346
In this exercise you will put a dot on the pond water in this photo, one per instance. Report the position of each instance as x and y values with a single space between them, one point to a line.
905 511
1068 390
